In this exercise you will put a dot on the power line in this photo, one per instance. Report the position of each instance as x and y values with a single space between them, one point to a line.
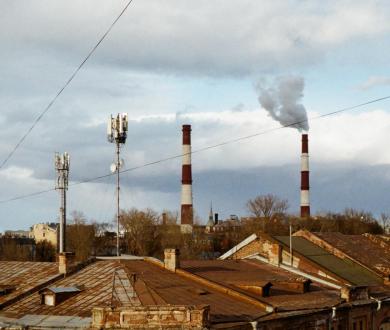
48 107
204 148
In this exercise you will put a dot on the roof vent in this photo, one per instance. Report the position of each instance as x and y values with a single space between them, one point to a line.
52 296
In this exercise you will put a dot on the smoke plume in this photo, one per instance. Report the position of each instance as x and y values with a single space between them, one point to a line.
282 101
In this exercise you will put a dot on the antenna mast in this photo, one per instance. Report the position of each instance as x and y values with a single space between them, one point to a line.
62 167
117 133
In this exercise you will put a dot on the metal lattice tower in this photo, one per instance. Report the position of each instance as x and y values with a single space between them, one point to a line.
117 133
62 168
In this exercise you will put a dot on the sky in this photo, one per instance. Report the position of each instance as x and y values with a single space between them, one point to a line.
200 63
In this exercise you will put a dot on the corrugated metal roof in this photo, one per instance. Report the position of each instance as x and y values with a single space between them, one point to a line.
346 269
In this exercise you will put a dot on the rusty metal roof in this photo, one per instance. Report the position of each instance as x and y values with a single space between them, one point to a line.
140 282
107 283
229 272
97 280
177 290
25 276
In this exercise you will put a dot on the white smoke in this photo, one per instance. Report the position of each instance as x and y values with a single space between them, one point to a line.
282 101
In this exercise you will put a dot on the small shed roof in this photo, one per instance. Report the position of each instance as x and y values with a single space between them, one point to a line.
61 289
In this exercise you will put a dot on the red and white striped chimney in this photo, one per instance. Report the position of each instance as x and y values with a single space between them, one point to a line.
305 198
186 182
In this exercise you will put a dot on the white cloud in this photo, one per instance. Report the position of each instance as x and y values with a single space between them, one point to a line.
374 81
15 172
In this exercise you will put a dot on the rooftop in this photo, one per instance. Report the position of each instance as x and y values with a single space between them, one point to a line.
343 268
97 282
25 276
284 293
367 251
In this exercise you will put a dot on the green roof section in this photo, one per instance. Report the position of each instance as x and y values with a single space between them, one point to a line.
344 268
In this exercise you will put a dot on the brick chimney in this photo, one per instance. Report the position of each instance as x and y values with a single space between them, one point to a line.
171 259
275 254
164 218
65 261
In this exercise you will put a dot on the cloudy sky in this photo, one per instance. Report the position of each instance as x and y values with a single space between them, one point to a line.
199 63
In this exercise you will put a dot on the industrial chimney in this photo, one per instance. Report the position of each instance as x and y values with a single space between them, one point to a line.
305 198
186 187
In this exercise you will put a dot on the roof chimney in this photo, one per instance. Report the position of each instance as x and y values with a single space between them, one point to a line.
164 218
171 259
275 254
186 187
216 218
65 261
305 200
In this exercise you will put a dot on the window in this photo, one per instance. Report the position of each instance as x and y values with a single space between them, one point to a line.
359 323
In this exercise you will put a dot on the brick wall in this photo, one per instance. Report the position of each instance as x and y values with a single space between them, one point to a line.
152 317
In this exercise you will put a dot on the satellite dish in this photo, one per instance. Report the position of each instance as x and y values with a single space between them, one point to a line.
121 163
113 168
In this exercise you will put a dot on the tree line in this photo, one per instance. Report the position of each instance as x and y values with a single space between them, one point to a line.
147 233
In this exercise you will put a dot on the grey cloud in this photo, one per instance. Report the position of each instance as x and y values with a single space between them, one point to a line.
333 188
176 37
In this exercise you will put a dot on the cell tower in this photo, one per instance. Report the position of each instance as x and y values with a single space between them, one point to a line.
117 133
62 168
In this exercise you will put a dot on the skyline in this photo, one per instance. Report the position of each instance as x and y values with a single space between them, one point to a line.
163 66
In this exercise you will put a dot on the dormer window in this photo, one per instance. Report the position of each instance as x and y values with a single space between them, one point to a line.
52 296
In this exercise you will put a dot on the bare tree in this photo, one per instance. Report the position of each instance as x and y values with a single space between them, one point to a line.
385 220
80 236
140 230
45 251
267 206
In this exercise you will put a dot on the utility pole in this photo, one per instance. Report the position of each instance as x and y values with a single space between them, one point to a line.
117 133
62 167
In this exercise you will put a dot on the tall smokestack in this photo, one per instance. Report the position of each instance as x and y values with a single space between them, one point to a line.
305 198
186 183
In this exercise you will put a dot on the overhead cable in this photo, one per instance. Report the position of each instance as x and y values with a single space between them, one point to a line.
73 75
204 148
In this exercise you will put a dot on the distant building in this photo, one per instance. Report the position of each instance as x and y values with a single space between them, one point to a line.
17 234
233 224
45 231
210 224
